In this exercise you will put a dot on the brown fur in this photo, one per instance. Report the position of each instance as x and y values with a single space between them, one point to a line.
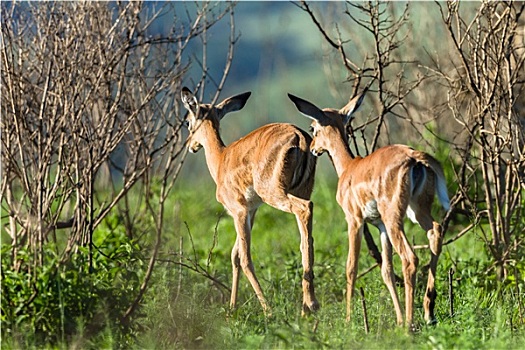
272 165
379 189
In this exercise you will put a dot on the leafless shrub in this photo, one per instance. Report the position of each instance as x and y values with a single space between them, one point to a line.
89 101
485 89
383 71
468 85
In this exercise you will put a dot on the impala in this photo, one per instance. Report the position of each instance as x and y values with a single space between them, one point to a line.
271 165
380 189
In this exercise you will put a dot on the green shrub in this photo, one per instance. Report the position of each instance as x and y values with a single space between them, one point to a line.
53 303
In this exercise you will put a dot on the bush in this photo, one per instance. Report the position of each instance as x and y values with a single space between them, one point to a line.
57 302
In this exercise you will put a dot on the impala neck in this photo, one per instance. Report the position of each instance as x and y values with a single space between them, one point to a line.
213 150
340 155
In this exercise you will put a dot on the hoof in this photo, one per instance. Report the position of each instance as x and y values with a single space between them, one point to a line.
309 309
432 322
268 312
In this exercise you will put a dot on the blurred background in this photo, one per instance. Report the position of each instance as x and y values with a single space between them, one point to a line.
279 49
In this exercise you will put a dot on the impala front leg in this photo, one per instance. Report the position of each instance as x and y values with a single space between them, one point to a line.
236 265
355 233
387 272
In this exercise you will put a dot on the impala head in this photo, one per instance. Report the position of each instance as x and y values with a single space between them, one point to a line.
202 117
327 123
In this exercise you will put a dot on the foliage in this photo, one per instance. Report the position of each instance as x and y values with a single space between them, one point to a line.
487 106
484 317
186 308
67 299
91 136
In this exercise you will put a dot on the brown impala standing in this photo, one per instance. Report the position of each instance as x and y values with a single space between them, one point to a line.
380 189
272 165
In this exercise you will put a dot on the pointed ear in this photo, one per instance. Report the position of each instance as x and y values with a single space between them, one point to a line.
232 104
352 106
189 100
307 108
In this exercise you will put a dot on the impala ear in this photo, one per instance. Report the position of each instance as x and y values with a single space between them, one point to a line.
351 107
189 100
232 104
307 108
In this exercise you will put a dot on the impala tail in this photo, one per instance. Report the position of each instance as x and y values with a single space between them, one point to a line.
441 190
419 177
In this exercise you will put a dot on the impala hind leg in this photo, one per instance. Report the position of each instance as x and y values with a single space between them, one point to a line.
387 272
242 244
435 240
236 265
355 233
303 211
409 261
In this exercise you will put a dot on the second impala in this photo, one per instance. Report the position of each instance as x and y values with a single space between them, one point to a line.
381 188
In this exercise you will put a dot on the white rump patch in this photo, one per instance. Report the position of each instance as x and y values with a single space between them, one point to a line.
411 215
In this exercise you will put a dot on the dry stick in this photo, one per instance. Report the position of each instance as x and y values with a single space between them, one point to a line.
165 187
451 291
423 246
196 267
215 240
450 240
368 270
314 328
179 284
365 315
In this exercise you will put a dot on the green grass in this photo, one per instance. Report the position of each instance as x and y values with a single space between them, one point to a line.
185 309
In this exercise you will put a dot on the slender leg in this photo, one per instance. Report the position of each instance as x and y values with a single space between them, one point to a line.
243 226
435 238
372 247
387 272
355 233
236 264
430 294
409 261
303 211
252 218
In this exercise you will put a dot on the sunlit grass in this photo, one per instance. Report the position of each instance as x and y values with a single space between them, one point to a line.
182 304
185 309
